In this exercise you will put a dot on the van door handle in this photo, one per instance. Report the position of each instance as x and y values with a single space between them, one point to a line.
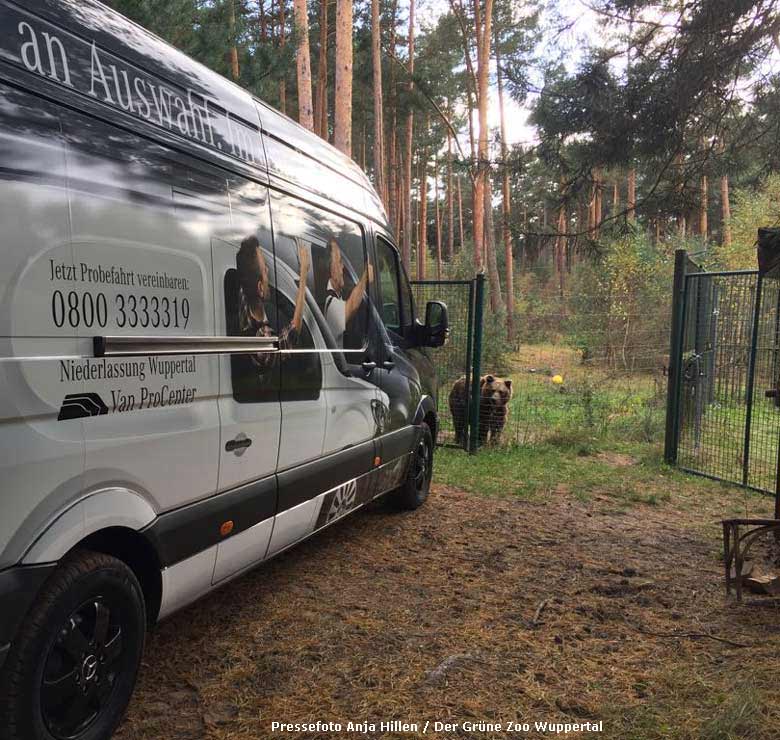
239 445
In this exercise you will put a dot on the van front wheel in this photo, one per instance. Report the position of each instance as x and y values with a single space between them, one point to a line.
72 668
417 485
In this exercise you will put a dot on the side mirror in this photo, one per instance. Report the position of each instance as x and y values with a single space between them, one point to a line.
437 324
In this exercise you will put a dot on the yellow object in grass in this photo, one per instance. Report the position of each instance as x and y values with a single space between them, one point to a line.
557 379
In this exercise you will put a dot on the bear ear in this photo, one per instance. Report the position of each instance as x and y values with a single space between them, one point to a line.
508 383
483 380
489 379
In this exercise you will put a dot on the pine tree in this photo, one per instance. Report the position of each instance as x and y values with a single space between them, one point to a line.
305 112
342 128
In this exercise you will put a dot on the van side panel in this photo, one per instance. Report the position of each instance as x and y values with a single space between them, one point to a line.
41 457
143 258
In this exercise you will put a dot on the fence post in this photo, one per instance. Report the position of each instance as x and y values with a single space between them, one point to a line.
476 365
671 436
751 382
469 362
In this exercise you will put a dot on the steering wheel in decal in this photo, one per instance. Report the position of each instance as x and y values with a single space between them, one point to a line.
343 500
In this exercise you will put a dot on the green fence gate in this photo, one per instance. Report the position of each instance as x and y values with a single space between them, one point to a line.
722 416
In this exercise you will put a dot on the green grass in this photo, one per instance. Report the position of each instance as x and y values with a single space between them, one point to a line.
684 699
629 473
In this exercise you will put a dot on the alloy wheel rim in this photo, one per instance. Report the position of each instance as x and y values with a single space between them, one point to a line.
422 466
82 668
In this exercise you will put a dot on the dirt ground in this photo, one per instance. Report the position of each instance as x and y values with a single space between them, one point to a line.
474 609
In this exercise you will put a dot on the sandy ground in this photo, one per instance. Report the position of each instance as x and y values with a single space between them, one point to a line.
470 609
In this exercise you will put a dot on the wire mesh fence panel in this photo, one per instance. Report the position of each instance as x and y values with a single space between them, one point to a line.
453 360
571 390
728 429
764 420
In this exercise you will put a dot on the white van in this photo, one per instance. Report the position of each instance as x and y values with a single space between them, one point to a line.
209 351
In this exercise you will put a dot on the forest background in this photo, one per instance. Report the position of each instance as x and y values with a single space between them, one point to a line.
566 148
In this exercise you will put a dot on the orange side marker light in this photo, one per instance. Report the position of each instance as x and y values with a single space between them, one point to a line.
226 528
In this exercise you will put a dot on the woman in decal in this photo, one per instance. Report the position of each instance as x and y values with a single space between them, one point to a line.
338 311
257 314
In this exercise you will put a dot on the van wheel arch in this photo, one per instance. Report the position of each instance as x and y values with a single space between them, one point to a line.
433 423
135 551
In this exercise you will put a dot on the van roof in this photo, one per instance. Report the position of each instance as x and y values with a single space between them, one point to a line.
92 21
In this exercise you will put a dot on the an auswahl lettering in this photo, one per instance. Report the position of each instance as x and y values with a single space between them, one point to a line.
99 74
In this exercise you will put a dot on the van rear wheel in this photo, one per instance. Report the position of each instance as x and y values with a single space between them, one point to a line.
72 668
415 489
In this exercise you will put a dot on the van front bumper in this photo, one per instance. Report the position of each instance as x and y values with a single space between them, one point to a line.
18 588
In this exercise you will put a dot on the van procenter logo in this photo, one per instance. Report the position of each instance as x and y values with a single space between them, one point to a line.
120 400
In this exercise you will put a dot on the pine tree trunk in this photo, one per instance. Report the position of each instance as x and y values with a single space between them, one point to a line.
703 226
233 52
679 167
379 137
342 130
391 171
599 202
592 209
483 33
450 205
401 212
506 205
406 245
422 241
282 42
437 213
524 248
321 103
460 215
263 21
303 64
490 249
560 248
725 211
631 194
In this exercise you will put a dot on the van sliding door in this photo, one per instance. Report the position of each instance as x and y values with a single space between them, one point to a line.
333 251
245 288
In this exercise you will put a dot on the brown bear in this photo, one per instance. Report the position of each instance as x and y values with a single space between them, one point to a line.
458 400
495 394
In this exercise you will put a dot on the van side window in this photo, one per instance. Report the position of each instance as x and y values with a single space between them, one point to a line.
389 281
339 277
257 378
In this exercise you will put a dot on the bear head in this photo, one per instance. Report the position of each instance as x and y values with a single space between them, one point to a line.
495 390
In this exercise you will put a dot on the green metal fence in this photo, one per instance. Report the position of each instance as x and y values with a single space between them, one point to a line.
459 359
722 417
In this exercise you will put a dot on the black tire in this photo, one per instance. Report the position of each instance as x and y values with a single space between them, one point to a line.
415 489
72 667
